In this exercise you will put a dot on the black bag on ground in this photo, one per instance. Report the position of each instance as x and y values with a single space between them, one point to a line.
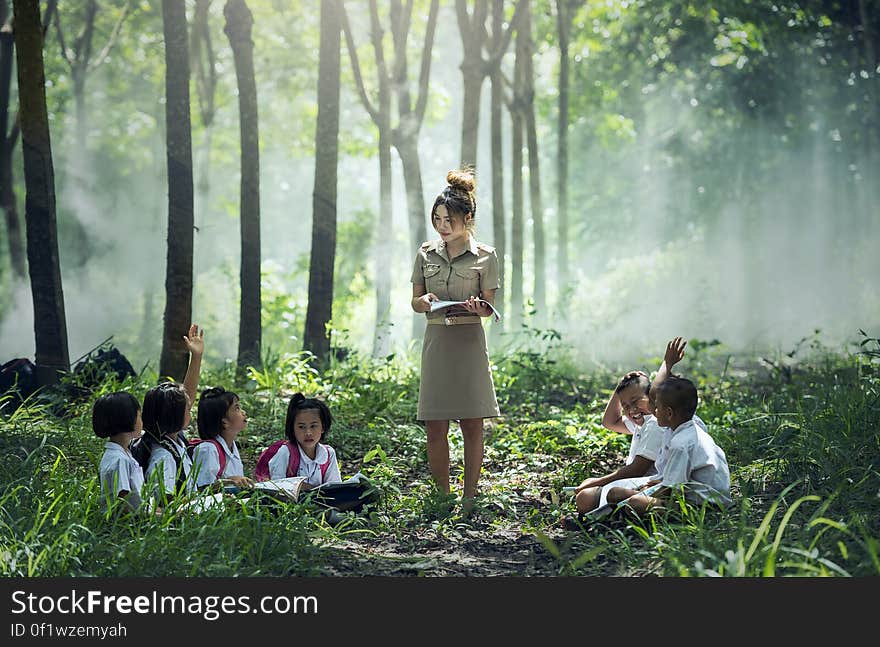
98 365
18 380
349 496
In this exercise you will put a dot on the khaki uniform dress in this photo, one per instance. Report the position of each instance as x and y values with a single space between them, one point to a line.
456 377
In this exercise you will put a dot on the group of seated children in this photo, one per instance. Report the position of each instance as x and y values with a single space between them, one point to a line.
671 450
149 445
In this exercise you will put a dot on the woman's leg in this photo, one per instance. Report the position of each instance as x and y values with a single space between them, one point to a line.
472 431
438 452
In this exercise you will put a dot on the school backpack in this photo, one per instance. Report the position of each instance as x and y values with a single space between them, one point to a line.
18 379
195 442
141 449
261 472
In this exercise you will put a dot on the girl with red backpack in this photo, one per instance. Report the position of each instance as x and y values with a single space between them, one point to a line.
301 454
215 455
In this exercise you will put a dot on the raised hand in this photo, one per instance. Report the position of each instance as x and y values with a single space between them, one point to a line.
195 340
674 352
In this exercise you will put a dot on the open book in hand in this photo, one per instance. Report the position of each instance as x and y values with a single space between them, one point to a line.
439 305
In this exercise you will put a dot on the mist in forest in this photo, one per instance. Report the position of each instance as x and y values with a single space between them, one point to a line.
755 256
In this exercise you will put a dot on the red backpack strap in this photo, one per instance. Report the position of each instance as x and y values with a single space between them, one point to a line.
293 461
222 457
326 465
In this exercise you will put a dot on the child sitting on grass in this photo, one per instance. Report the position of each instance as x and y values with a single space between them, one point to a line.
117 417
165 414
216 461
629 411
689 459
308 421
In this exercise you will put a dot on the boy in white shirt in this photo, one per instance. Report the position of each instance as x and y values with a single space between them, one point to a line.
117 417
629 412
689 458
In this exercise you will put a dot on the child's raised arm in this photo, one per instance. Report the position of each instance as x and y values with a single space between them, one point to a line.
195 344
674 354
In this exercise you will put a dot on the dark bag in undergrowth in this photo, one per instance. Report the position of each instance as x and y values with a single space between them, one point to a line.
349 496
18 381
100 364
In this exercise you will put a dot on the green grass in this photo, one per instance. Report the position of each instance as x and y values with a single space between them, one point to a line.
803 445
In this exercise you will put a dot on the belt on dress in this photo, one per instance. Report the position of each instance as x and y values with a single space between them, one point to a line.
455 320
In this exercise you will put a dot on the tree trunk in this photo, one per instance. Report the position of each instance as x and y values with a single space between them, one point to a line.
7 142
50 326
79 73
323 254
473 71
407 148
382 339
516 224
239 24
563 23
179 265
524 42
495 111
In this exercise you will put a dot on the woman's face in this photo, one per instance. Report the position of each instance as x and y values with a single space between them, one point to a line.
451 228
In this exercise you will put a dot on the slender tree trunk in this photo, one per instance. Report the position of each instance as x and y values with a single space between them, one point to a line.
239 24
405 137
7 142
516 224
179 265
470 118
524 41
203 62
382 339
415 202
50 326
79 72
323 254
873 138
563 24
498 221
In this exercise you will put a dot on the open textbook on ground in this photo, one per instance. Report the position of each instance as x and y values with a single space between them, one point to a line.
439 305
349 494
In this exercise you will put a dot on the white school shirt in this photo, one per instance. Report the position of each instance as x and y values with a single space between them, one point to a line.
307 467
646 440
206 462
161 459
120 472
691 457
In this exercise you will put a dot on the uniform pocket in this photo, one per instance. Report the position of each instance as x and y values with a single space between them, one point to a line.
430 269
467 273
467 282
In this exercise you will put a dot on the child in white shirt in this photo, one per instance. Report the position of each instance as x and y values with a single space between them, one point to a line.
308 421
220 419
628 411
166 413
117 417
689 458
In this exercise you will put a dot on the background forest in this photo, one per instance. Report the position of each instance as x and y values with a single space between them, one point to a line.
645 169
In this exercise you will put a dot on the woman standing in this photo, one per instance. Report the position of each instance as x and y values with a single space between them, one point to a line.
456 381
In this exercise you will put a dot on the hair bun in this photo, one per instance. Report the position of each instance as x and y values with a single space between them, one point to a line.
462 179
